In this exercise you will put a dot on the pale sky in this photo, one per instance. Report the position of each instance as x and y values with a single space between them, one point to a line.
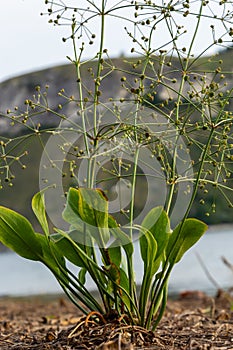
28 42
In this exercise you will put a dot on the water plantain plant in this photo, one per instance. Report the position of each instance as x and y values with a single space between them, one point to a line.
132 148
92 231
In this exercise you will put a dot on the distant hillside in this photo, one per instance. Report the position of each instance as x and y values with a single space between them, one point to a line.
13 93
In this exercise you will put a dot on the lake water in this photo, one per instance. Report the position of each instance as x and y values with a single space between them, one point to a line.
23 277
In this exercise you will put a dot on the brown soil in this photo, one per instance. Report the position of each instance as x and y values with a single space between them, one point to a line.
194 321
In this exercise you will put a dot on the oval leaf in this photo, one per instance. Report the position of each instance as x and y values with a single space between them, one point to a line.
17 233
184 236
86 206
38 207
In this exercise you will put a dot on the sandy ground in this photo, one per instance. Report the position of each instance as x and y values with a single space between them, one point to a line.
194 321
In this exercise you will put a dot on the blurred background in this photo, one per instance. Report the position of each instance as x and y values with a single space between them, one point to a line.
33 53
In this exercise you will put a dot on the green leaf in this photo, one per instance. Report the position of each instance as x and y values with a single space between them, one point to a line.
82 276
124 280
17 233
153 240
160 229
157 222
184 236
152 217
150 233
68 249
89 207
82 238
114 252
87 259
52 257
38 207
124 289
120 236
148 248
